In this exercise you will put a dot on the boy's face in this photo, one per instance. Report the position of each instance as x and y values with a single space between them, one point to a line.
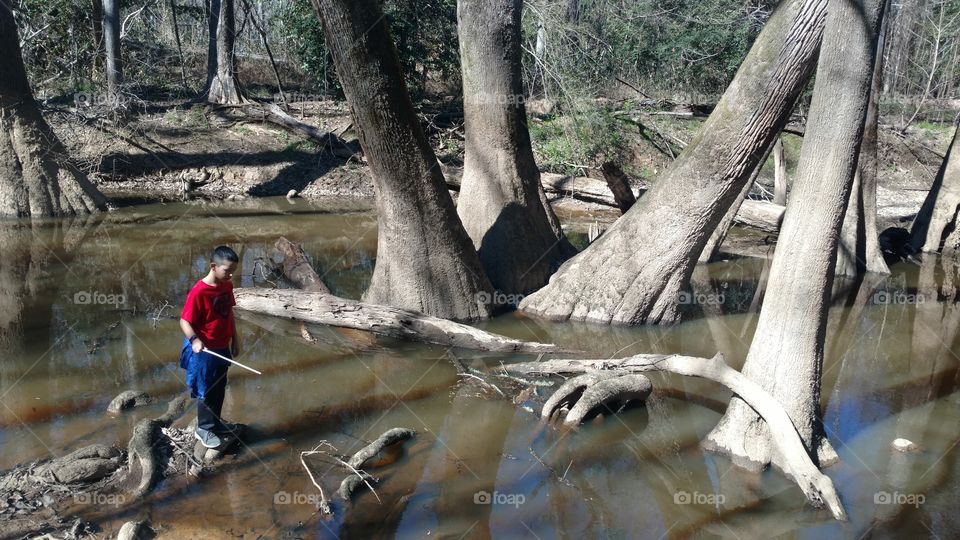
223 271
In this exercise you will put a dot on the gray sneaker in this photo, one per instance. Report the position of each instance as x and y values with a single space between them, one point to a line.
207 438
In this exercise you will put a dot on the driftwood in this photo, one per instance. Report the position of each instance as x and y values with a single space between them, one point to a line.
326 309
608 392
296 268
796 462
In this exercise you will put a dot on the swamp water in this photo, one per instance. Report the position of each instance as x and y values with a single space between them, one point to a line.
89 308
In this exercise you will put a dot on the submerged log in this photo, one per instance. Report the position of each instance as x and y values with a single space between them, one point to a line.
796 461
571 390
372 455
320 308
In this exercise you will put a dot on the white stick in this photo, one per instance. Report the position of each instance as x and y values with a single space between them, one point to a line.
234 362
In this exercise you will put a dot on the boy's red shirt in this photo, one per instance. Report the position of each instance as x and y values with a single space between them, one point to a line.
209 311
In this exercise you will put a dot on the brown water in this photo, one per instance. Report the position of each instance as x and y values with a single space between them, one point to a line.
70 347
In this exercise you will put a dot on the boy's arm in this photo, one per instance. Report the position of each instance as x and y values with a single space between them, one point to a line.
189 332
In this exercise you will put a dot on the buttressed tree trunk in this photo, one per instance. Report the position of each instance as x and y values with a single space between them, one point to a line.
786 355
859 248
425 260
223 86
635 272
935 226
111 34
502 205
35 177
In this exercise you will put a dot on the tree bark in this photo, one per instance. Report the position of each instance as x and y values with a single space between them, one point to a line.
786 355
636 271
111 35
935 226
223 86
35 177
502 205
425 259
859 249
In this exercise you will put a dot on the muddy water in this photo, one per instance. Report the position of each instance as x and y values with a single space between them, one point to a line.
89 308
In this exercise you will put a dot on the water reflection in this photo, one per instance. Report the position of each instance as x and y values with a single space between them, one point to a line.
890 372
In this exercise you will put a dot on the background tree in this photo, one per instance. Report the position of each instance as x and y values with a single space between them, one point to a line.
222 84
934 228
635 272
425 260
786 354
502 204
111 35
35 177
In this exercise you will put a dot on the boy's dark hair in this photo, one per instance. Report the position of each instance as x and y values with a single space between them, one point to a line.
222 254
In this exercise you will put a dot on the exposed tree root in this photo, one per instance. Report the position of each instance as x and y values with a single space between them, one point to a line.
571 390
143 448
610 391
380 452
796 462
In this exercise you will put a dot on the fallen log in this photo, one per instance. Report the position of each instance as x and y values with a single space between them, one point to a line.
763 215
320 308
796 462
271 113
292 262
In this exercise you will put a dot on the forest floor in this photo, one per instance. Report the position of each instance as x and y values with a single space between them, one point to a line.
165 149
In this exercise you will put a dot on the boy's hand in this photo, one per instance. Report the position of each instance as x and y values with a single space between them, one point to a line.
235 348
197 346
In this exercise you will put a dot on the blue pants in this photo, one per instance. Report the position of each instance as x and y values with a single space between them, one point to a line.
207 380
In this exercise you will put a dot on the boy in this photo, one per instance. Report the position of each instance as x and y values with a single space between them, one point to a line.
207 322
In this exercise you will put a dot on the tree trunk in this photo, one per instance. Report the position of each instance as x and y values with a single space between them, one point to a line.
786 355
780 179
859 249
636 271
935 226
35 177
223 86
425 260
502 205
96 19
111 35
